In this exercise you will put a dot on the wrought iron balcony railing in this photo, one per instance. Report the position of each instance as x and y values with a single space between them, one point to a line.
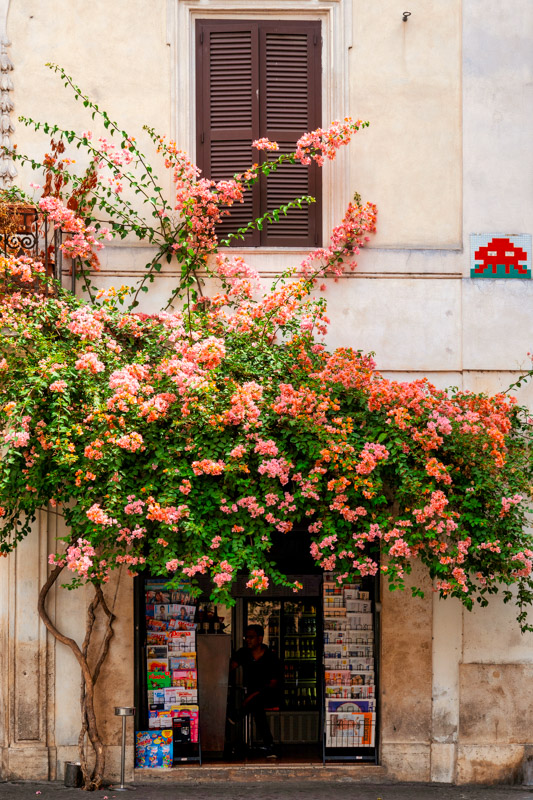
25 231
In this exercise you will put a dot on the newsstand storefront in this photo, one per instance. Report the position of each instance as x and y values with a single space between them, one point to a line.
191 706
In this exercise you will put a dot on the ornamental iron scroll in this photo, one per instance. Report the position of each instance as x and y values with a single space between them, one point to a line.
24 231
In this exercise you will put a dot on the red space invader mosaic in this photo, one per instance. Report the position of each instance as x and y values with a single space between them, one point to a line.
500 257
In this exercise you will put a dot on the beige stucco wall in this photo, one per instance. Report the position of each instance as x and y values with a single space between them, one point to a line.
447 154
40 679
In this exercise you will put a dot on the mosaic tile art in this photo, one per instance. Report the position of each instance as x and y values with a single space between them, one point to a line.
500 255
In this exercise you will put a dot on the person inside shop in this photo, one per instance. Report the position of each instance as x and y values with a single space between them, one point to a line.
262 680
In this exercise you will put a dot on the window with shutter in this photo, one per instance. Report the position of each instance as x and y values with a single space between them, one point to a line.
255 79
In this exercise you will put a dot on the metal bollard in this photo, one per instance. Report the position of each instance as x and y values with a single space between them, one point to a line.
123 711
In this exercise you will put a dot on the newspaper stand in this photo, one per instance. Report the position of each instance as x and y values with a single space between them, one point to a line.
349 697
170 689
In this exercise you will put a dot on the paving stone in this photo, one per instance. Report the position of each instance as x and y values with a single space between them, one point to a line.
303 790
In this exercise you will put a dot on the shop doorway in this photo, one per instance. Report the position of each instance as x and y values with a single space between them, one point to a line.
293 634
324 638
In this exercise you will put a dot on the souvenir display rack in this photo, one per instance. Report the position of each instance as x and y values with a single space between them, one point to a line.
170 678
349 660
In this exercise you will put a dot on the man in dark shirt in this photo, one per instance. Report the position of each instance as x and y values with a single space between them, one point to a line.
262 679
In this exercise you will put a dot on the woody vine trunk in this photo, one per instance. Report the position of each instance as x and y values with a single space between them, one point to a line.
89 733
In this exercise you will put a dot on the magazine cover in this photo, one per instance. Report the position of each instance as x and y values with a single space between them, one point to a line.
363 637
153 624
184 678
363 691
182 594
351 705
158 680
157 597
351 729
183 661
156 637
338 663
181 642
158 611
338 677
190 711
181 612
350 692
358 606
157 665
180 697
362 664
156 651
156 697
360 622
181 624
153 749
160 719
177 696
362 678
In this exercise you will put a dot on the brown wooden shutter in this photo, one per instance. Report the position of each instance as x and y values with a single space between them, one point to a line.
228 113
259 79
290 104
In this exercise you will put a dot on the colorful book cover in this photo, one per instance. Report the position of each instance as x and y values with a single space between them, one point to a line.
156 638
183 661
160 719
184 678
153 749
157 702
157 665
156 696
156 651
158 680
153 624
190 711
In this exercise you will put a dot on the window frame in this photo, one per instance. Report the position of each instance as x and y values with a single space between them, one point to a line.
337 23
259 29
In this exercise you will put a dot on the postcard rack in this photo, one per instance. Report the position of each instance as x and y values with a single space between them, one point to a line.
349 710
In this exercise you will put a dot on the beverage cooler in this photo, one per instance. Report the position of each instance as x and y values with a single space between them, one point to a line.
291 632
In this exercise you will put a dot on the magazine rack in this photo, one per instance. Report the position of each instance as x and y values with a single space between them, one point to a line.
349 662
171 659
